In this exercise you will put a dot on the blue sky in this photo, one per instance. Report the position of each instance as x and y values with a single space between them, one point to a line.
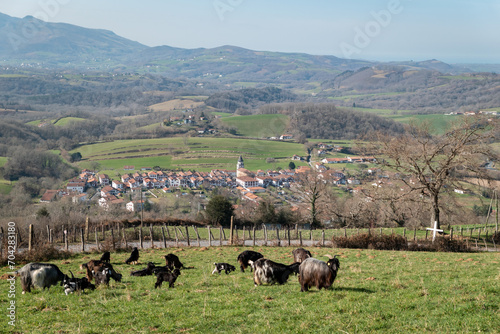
449 30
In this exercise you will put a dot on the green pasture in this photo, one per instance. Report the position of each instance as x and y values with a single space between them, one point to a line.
66 120
198 153
375 292
259 126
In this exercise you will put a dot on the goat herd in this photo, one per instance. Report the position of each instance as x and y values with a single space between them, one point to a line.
311 271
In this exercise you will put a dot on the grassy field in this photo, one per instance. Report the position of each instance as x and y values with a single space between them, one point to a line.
375 292
259 126
200 153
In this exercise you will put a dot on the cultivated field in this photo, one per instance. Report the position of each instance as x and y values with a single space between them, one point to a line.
375 291
199 153
258 126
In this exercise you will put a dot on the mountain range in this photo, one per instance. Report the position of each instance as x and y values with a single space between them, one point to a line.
54 45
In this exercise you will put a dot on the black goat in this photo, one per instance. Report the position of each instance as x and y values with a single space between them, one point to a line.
106 257
101 275
144 272
167 276
247 256
172 261
134 256
270 272
222 266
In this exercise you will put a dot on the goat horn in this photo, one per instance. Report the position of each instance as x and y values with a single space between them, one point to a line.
329 256
72 276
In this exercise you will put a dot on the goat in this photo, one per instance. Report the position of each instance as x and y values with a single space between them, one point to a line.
300 254
134 256
270 272
313 272
167 276
106 257
41 275
76 284
247 256
101 275
144 272
172 261
226 267
91 266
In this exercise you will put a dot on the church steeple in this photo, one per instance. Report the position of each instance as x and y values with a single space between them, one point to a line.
240 163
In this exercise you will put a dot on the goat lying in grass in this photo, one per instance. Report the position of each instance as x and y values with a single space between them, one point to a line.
144 272
76 284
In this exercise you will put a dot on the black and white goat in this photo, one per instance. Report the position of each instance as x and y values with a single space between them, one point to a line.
222 266
97 265
76 284
40 275
313 272
144 272
270 272
101 275
246 256
167 276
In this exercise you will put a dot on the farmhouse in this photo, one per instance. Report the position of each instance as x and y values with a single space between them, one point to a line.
78 187
247 182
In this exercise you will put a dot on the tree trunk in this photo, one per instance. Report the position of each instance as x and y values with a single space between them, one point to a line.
435 211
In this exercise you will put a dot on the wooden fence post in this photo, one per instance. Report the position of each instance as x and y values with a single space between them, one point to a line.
414 234
48 234
51 236
300 238
66 243
254 236
451 234
231 231
112 238
278 236
243 235
151 234
176 238
83 240
345 232
124 237
96 238
187 235
265 234
323 238
163 239
209 237
288 235
296 231
30 237
140 238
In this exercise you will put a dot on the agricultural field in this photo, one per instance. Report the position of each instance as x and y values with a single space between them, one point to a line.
176 104
258 126
375 291
200 153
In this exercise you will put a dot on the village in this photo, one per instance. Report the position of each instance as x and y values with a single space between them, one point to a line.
90 185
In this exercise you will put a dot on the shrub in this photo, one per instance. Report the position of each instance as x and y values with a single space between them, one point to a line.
369 241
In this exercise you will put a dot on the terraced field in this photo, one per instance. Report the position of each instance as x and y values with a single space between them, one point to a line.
202 154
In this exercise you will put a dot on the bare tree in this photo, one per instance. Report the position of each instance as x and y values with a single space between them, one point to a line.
311 186
431 164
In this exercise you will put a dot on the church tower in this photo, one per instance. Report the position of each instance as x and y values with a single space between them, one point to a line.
240 163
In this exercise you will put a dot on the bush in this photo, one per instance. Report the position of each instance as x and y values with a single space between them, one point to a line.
369 241
39 253
441 244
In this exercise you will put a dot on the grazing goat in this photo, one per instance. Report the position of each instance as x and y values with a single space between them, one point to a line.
134 256
313 272
247 256
106 257
76 284
144 272
167 276
172 261
101 275
300 254
270 272
40 275
92 266
222 266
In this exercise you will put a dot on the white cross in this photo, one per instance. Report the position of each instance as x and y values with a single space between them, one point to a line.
435 230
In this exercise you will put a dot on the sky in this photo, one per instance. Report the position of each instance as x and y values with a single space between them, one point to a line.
453 31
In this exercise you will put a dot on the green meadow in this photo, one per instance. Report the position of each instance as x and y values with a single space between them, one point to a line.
200 153
258 126
375 292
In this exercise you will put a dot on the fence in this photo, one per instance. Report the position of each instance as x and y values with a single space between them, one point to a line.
116 236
